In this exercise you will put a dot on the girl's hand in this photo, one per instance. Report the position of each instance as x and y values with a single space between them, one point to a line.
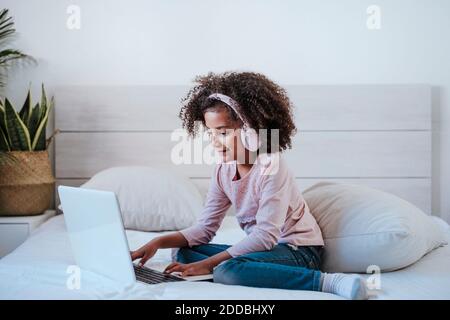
145 252
190 269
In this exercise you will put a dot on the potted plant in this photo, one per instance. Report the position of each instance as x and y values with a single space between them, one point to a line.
26 182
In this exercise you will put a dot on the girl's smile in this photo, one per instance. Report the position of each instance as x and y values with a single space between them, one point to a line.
223 134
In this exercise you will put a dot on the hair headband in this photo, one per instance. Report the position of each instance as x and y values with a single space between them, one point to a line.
228 101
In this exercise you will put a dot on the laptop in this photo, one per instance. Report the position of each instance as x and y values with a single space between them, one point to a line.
97 235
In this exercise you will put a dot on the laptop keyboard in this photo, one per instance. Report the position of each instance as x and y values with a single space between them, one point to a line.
151 276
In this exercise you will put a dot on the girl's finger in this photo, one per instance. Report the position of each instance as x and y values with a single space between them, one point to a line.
136 254
174 268
170 266
143 260
178 267
186 272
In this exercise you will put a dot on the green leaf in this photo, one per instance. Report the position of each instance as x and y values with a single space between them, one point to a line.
39 138
35 119
3 14
2 117
3 122
25 112
19 137
6 24
43 102
3 126
8 56
4 145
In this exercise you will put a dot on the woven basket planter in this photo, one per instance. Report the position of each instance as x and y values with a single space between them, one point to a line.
26 185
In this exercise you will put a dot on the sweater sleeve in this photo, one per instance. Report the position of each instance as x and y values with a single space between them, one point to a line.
215 208
270 217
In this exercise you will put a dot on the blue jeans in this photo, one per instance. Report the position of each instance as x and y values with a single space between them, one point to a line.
283 267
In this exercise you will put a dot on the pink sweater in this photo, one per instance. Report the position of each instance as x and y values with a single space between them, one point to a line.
269 208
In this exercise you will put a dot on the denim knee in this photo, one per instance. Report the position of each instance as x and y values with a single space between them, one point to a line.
228 272
180 254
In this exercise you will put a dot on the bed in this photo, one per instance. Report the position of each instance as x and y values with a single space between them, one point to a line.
40 269
369 136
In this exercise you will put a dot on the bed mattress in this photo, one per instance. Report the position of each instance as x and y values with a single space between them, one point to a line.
40 269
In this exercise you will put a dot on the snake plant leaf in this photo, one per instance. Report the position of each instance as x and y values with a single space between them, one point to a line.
43 102
19 137
2 118
4 145
4 140
34 120
3 126
39 139
25 112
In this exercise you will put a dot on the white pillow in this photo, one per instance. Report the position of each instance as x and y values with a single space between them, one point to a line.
362 226
150 199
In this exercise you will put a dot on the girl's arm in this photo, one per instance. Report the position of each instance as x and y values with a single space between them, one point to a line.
198 268
214 260
172 240
177 240
215 208
216 205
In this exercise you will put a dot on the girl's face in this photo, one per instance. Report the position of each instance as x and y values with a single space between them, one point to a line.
224 135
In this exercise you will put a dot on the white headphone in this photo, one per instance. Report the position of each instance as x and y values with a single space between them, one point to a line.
249 136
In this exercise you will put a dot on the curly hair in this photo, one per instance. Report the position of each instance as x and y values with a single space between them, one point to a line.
263 104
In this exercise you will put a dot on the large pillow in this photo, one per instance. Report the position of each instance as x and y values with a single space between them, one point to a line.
365 227
150 199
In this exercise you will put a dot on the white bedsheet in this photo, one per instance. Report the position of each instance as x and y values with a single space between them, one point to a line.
38 270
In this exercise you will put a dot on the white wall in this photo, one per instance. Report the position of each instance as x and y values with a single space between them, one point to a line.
293 42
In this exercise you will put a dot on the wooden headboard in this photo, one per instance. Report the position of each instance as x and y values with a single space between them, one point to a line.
374 135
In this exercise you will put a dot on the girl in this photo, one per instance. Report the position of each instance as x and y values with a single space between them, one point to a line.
284 244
